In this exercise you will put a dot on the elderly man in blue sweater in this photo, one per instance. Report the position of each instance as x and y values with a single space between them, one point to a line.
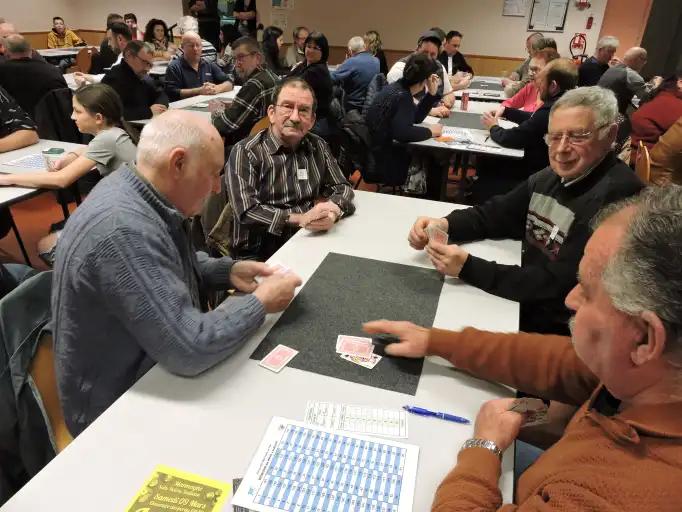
128 286
355 73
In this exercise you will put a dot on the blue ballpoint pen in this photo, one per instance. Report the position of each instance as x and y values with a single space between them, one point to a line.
443 416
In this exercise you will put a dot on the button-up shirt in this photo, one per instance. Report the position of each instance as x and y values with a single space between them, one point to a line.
12 116
181 75
267 181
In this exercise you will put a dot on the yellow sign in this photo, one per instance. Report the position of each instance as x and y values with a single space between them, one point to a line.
171 490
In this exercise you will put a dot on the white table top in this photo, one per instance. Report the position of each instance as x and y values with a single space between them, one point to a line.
212 424
61 52
187 102
42 145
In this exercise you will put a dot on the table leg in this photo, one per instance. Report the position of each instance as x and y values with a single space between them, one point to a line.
19 240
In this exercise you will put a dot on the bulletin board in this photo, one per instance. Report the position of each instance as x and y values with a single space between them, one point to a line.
548 15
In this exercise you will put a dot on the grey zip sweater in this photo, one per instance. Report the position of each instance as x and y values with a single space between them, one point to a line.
126 295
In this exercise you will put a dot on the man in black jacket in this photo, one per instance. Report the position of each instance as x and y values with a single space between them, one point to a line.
26 79
451 58
141 98
500 175
550 211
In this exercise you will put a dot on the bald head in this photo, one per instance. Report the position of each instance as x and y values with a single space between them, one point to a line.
182 156
17 47
191 46
7 29
635 58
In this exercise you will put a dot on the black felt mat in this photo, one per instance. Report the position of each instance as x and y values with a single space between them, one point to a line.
344 292
464 120
477 84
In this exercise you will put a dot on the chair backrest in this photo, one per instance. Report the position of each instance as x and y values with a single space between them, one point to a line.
377 83
53 117
84 59
643 163
45 378
261 124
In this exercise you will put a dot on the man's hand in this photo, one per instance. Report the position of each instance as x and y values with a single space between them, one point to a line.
460 81
440 111
657 81
447 259
488 119
158 109
414 339
495 422
82 78
499 112
276 291
432 84
209 89
321 217
418 237
436 130
243 274
615 61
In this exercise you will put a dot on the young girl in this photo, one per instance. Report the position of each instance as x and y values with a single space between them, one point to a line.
97 110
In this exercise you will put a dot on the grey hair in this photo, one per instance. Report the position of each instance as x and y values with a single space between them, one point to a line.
608 42
135 47
602 102
188 24
17 45
356 44
645 274
163 134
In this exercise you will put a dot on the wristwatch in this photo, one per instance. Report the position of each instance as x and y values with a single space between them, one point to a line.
482 443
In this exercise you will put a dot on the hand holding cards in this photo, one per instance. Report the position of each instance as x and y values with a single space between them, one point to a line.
436 234
533 409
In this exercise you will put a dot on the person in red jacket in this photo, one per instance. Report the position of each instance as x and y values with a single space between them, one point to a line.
653 118
622 451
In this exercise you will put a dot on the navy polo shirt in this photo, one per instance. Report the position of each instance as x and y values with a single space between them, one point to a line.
180 75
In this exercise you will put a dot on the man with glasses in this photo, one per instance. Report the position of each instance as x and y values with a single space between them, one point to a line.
275 178
251 103
140 97
550 211
190 75
296 51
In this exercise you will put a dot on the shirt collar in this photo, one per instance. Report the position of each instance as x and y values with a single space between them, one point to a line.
567 183
184 62
656 420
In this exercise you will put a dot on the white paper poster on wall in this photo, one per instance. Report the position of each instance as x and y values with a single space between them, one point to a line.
548 15
279 19
515 8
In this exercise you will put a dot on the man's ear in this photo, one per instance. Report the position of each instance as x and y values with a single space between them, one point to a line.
177 163
654 339
271 113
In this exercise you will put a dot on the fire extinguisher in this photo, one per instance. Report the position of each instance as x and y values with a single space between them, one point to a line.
590 21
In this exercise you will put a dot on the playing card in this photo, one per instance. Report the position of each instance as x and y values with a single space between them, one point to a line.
436 234
369 362
533 409
279 268
278 358
354 346
535 418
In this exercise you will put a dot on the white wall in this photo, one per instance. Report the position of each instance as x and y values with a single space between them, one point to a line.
35 15
486 31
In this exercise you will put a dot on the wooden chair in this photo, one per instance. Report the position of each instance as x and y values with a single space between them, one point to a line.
643 163
84 59
43 374
261 124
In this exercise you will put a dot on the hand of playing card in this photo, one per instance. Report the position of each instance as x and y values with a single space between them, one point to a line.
447 259
414 339
534 410
244 273
276 291
321 217
418 236
497 423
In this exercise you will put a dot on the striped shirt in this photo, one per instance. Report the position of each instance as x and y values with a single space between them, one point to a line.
208 51
12 116
249 106
266 182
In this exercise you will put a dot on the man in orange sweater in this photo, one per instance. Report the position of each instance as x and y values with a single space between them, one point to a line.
622 451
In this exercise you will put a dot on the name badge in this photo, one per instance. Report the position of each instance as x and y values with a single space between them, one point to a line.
302 174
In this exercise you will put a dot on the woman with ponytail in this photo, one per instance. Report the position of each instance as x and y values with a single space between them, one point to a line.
97 111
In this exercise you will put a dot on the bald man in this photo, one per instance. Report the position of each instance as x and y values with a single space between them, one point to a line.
625 79
7 29
129 289
191 75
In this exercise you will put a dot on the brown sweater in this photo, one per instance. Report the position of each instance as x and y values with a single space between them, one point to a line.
610 461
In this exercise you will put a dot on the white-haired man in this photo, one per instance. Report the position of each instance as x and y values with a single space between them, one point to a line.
625 80
551 211
593 68
622 451
355 73
128 286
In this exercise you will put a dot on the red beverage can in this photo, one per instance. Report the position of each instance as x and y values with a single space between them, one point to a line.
465 101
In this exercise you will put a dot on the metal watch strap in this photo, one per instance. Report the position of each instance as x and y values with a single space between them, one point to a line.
482 443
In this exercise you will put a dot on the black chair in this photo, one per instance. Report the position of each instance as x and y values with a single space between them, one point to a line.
53 117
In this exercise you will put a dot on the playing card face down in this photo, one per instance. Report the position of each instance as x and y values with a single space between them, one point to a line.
278 358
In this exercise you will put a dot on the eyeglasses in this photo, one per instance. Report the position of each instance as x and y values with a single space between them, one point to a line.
242 56
573 138
147 63
303 112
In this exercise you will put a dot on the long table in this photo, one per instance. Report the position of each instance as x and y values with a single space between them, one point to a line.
485 88
212 424
56 53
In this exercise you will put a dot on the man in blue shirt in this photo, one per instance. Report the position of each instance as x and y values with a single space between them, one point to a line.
190 75
356 72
